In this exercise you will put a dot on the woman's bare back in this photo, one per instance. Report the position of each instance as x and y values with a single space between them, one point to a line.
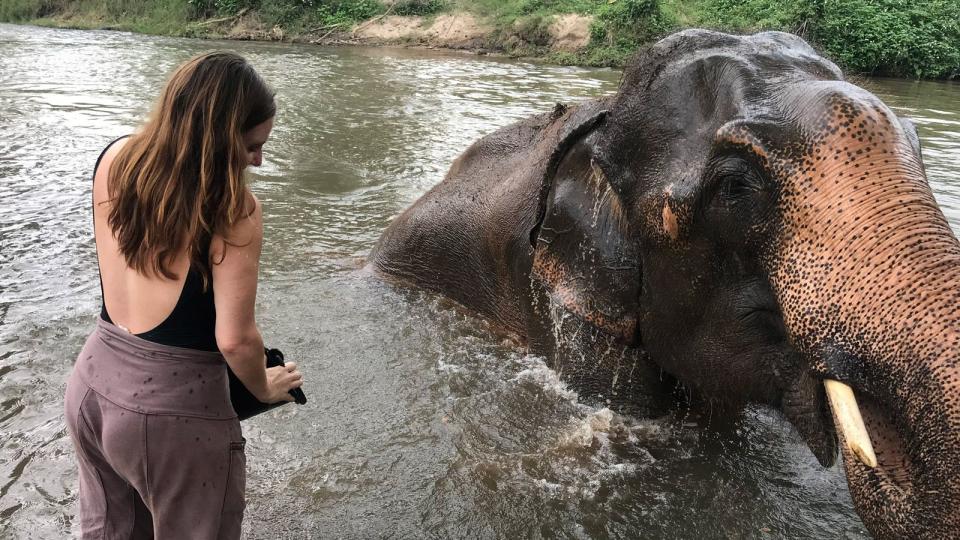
135 302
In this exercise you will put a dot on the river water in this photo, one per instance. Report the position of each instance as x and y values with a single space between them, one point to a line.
420 423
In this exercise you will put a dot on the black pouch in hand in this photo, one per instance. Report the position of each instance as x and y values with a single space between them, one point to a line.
243 401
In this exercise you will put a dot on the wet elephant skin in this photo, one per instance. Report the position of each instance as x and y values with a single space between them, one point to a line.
740 217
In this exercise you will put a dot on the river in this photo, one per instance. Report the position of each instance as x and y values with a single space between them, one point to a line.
420 423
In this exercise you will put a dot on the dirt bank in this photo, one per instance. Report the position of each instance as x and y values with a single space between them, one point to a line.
462 31
570 32
455 31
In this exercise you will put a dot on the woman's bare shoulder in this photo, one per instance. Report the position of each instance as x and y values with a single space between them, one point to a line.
252 220
102 173
252 206
110 153
246 232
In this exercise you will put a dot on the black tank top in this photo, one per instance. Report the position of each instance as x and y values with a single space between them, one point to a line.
192 323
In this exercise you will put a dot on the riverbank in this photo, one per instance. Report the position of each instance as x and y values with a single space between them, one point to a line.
920 39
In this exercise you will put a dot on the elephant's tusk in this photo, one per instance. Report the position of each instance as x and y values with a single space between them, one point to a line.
846 416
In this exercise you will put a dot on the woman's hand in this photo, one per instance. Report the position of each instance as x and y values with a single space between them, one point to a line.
280 380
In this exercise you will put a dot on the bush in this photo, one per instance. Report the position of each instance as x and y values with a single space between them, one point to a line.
913 38
25 10
625 25
295 15
278 12
753 15
345 12
908 38
506 12
560 6
208 8
419 7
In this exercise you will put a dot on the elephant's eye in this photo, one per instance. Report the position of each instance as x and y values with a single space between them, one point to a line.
736 181
737 200
738 186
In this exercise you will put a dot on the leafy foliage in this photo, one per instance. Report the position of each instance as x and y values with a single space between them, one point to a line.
294 14
206 8
342 13
510 10
913 38
625 25
419 7
751 15
25 10
919 38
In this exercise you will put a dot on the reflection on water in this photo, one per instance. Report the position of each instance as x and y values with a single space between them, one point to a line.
419 422
935 110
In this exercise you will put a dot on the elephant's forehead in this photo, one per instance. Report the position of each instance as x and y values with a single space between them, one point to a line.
827 108
852 152
819 125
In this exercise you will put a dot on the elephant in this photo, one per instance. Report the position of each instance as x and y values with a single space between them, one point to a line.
740 217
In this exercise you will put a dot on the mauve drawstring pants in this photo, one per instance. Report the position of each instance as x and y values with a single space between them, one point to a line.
158 444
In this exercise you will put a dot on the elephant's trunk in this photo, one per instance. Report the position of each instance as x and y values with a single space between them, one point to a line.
867 273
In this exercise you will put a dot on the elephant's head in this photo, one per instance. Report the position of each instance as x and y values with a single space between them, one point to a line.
758 225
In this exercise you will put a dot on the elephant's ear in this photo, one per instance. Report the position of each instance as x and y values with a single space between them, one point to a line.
584 257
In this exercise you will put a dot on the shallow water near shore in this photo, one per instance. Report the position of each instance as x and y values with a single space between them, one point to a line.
421 423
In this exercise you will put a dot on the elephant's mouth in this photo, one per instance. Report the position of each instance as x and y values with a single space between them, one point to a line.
897 498
892 479
895 467
807 407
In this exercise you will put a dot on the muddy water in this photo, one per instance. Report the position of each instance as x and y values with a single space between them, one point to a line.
420 424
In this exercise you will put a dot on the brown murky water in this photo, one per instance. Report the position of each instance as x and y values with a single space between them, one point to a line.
420 424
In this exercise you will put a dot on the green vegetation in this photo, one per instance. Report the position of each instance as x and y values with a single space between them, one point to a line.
906 38
620 28
153 16
419 7
294 16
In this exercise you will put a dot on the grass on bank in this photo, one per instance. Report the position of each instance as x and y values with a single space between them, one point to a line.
166 17
906 38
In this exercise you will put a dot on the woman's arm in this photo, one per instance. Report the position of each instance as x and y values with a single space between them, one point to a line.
235 262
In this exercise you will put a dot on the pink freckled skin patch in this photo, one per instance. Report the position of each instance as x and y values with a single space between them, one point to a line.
670 222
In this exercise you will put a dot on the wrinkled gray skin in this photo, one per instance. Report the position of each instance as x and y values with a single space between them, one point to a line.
740 217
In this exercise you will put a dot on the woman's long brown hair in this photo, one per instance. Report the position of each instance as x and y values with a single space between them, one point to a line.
179 180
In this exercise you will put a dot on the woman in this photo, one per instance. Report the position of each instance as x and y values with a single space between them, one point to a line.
178 238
